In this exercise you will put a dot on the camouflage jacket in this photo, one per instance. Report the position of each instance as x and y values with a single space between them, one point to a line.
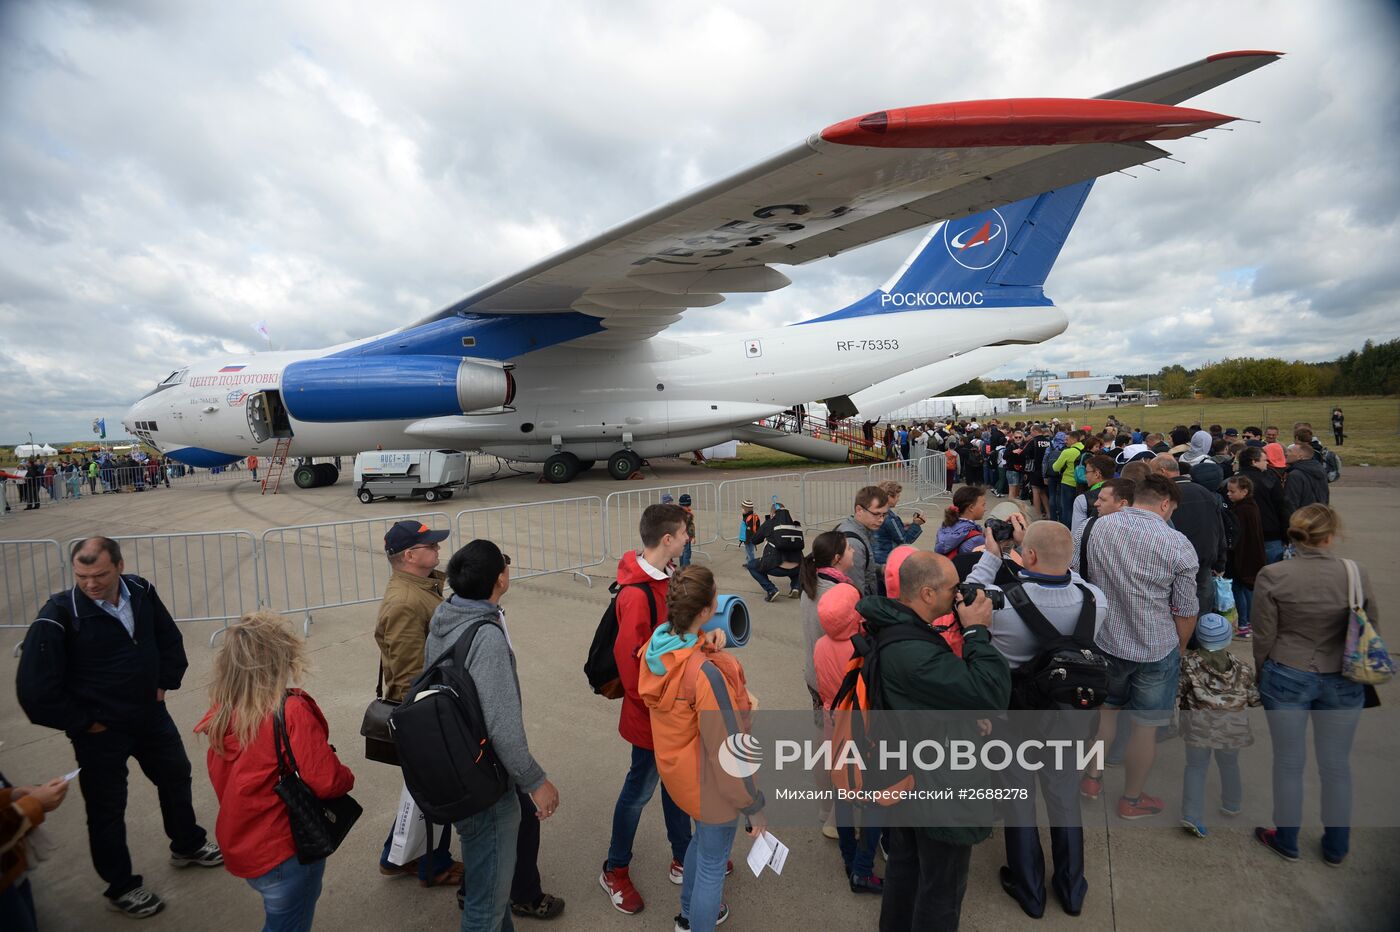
1213 702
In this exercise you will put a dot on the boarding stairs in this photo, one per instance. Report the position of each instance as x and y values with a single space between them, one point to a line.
278 465
813 437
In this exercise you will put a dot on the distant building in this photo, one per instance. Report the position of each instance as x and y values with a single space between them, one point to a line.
1078 374
1037 378
1094 386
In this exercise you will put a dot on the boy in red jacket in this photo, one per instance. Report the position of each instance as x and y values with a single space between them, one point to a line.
663 540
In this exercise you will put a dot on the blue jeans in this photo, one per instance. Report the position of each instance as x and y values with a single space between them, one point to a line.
636 793
488 863
748 552
1147 689
289 893
685 555
1052 497
1193 781
706 856
1244 601
859 856
1273 551
761 576
1068 490
17 907
1291 697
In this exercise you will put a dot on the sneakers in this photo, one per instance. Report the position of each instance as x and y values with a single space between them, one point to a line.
1141 808
1244 633
1194 828
208 856
1269 839
618 884
794 593
678 871
138 904
1331 861
683 924
1090 787
1230 813
770 597
867 884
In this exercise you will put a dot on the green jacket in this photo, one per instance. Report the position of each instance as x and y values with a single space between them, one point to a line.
927 675
1065 464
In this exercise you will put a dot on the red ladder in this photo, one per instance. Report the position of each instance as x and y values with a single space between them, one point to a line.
277 466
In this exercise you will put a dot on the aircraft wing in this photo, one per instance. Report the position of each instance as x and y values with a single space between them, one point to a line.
852 183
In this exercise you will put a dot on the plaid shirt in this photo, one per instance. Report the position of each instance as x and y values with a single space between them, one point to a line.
1147 570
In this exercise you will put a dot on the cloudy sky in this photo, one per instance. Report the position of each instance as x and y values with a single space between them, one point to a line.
172 173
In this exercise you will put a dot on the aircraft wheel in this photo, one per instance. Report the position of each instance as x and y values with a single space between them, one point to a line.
306 477
586 465
623 463
331 474
431 495
561 467
366 496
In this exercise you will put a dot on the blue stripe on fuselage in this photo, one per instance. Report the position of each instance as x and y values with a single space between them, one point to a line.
496 337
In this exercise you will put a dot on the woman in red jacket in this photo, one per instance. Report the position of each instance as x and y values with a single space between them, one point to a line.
256 665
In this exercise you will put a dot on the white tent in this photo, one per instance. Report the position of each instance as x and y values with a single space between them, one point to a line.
34 449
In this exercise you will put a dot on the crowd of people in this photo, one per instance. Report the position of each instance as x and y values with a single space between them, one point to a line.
1114 539
68 477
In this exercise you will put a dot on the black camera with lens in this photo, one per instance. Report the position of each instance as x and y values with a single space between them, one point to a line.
968 593
1003 532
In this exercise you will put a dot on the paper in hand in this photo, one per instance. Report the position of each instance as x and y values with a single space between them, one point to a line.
70 776
768 852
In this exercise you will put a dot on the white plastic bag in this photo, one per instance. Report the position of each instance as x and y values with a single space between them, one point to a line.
410 831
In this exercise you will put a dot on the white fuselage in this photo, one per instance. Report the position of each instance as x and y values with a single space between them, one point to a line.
659 396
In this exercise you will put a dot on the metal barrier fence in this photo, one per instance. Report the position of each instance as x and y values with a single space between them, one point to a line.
922 478
623 512
30 571
559 536
200 576
309 567
828 494
763 491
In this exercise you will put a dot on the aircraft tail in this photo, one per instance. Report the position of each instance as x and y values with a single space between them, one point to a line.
996 258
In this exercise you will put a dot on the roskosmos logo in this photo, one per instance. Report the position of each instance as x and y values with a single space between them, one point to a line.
976 242
740 755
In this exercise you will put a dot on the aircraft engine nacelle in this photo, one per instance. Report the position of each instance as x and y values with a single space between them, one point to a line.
389 388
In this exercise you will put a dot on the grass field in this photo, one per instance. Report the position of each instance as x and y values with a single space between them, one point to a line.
1372 426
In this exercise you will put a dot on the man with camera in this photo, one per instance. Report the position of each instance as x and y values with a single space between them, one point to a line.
1047 587
928 865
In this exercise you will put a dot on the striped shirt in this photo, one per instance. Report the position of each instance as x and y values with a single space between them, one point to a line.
1147 570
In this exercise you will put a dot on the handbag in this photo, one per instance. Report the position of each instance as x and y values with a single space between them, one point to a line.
318 825
1365 659
379 740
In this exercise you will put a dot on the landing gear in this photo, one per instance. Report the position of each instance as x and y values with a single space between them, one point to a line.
586 465
561 467
328 474
623 463
306 477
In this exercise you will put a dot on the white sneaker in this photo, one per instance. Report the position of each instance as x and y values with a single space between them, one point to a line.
138 904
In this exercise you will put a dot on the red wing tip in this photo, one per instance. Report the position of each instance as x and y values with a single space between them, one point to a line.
1244 53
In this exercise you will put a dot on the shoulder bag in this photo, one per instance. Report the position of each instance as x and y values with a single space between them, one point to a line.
1365 659
379 740
318 825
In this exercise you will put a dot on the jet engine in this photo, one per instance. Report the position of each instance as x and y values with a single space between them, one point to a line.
357 388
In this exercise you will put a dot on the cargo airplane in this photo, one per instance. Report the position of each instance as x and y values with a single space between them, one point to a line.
564 363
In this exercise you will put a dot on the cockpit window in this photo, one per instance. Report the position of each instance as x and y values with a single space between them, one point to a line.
174 378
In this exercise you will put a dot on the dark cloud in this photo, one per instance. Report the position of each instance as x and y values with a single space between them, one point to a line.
172 173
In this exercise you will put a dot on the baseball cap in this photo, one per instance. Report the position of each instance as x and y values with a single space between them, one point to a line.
1133 452
1213 631
1231 432
405 534
668 499
684 499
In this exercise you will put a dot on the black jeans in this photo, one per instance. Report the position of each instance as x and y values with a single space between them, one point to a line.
1024 857
525 884
158 750
924 883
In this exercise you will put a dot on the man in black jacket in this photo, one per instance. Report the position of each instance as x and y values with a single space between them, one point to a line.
1274 510
783 555
1307 479
97 663
1198 517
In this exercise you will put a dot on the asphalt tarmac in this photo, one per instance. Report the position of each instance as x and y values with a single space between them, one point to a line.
1142 876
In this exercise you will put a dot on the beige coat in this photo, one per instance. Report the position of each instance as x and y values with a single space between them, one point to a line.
402 628
1300 611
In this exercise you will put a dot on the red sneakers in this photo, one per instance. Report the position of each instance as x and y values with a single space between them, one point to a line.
1090 787
618 884
1144 807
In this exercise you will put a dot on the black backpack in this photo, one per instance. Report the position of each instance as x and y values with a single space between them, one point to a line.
1070 671
600 666
449 766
